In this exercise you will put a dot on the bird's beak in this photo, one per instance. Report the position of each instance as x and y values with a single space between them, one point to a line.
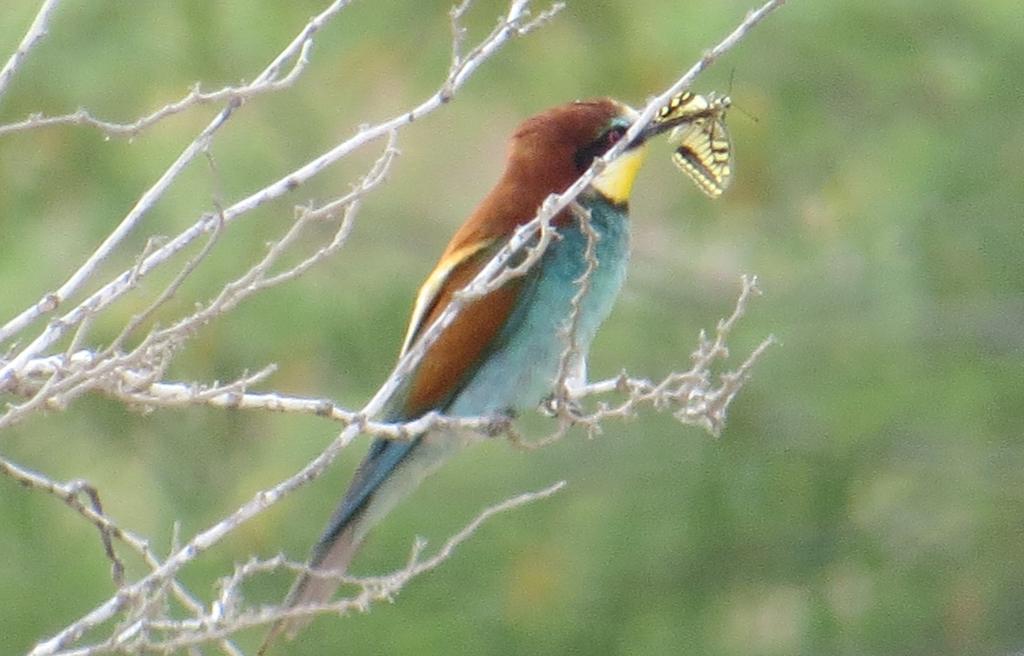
616 182
685 108
653 129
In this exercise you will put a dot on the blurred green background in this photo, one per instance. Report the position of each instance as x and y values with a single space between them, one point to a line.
867 495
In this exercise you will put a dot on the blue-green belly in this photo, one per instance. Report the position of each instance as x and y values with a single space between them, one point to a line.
521 368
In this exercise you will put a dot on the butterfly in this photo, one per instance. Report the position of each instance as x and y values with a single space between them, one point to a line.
703 148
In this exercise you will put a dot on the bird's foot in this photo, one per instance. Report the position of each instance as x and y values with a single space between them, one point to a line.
499 424
561 406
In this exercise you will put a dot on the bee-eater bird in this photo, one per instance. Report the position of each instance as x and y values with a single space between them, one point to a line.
502 352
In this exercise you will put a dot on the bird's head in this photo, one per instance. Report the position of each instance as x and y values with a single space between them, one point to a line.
550 150
546 154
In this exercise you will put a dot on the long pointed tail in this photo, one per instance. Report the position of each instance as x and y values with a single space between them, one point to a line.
310 589
390 472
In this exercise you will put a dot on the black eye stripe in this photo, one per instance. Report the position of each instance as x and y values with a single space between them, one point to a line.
585 156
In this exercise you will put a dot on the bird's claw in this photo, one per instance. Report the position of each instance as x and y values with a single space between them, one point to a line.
499 424
561 406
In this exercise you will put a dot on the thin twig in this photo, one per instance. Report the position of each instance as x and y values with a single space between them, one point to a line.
226 617
513 24
233 95
36 31
53 300
108 369
68 493
571 355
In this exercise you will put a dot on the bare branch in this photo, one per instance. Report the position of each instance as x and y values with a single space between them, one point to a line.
36 33
458 33
53 300
69 493
571 355
139 390
169 291
117 567
508 28
692 396
106 370
233 95
228 615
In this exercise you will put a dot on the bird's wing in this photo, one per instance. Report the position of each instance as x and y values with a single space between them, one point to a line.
386 469
431 289
446 365
439 375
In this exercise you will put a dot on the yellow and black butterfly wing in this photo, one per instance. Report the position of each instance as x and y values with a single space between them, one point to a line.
703 147
683 106
704 153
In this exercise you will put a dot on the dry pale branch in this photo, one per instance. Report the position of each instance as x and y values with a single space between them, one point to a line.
233 95
230 613
515 23
692 396
51 301
119 374
35 34
570 357
70 493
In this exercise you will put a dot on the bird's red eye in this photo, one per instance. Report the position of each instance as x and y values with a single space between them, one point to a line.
584 157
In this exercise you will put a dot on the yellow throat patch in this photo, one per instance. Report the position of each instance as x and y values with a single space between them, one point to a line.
616 182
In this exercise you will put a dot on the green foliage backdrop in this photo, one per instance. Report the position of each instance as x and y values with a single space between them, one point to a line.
867 496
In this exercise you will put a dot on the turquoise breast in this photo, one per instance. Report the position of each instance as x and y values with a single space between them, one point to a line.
520 368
